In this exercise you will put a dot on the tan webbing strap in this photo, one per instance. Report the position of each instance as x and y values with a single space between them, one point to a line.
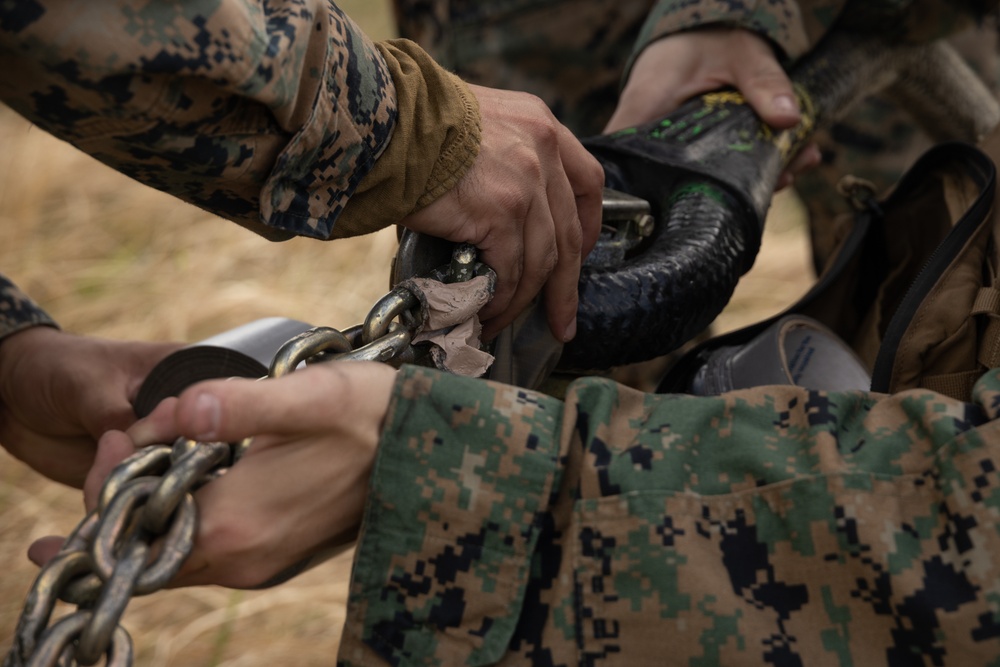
959 385
987 303
953 385
989 346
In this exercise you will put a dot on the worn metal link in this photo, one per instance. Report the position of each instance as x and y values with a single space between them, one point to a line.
388 331
392 305
391 347
147 506
95 638
177 534
57 643
105 560
149 461
305 345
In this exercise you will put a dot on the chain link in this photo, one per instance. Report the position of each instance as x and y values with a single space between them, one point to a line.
105 560
147 505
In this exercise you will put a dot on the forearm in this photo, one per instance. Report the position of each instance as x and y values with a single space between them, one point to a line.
270 117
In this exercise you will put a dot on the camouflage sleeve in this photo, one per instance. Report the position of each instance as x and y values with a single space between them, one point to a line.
17 311
791 25
795 26
269 114
769 526
460 491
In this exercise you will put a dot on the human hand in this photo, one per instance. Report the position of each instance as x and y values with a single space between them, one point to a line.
531 203
677 68
59 392
301 485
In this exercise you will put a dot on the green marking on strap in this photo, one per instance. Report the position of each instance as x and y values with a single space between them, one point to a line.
707 189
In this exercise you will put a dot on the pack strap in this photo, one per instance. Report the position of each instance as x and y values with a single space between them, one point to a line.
953 385
959 385
987 302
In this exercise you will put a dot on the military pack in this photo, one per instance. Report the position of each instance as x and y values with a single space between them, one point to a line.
912 287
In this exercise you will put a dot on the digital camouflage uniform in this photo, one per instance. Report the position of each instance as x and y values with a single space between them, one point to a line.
574 54
763 527
771 526
269 114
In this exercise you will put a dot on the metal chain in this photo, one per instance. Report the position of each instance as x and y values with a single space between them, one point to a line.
147 506
381 337
105 561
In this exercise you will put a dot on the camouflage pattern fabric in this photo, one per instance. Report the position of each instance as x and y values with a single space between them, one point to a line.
770 526
17 311
266 112
794 26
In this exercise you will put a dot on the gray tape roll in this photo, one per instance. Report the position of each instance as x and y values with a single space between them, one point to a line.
245 351
795 350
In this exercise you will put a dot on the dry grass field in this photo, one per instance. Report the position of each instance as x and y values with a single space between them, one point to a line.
108 257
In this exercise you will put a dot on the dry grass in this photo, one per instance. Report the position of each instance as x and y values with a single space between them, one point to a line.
112 258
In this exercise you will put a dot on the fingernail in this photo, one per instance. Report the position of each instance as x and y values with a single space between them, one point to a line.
207 412
785 104
570 332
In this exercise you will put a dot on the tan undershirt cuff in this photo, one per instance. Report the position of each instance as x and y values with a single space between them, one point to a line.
435 141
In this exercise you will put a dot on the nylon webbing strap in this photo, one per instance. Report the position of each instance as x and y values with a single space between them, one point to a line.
959 385
987 303
953 385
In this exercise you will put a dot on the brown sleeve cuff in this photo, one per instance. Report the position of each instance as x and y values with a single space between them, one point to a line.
435 141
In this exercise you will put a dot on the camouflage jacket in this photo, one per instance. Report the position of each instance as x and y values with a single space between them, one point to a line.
795 26
767 526
274 115
574 54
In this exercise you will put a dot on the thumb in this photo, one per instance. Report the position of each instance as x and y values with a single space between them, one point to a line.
306 400
766 86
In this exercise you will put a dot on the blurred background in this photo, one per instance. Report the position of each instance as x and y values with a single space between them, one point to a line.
109 257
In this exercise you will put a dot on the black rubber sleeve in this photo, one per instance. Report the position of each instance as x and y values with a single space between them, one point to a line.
708 171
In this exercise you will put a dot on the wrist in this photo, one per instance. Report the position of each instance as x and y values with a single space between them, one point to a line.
19 343
16 349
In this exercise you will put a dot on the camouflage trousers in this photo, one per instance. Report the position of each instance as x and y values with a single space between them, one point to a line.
775 526
572 55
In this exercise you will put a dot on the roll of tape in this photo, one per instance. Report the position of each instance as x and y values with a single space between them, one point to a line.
245 351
